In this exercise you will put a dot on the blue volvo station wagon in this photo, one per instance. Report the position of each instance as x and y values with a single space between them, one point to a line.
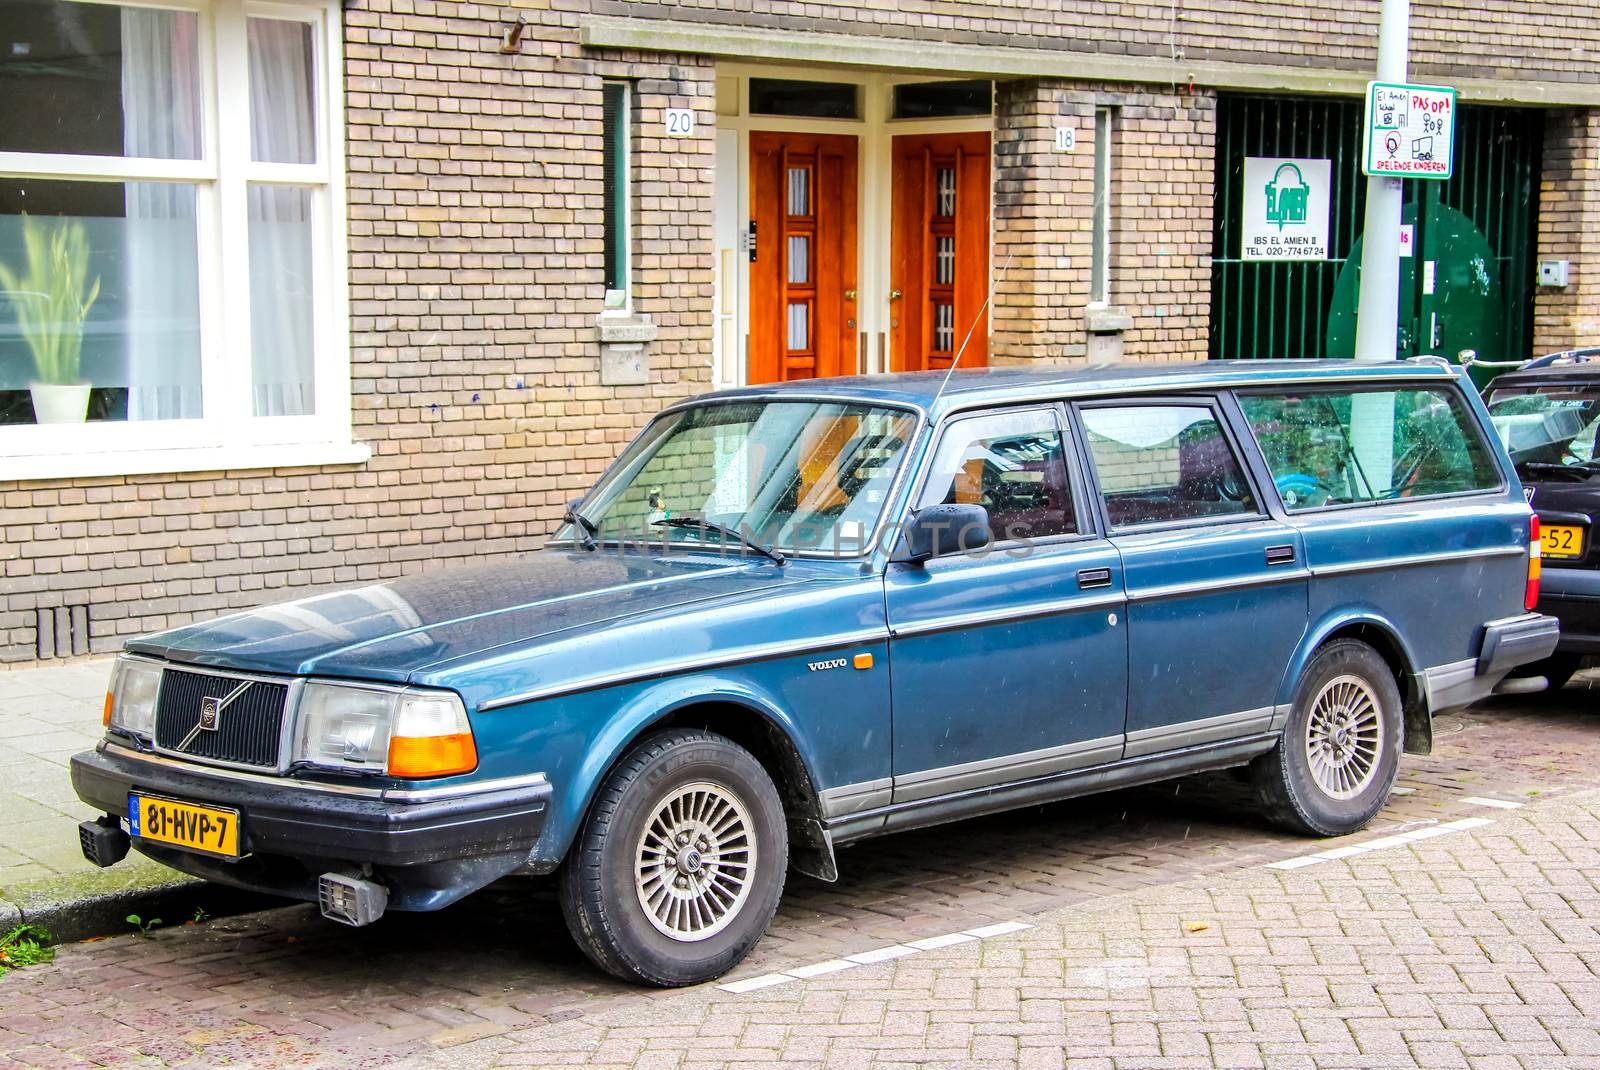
789 618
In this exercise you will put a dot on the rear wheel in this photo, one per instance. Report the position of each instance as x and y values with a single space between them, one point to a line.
1336 762
680 863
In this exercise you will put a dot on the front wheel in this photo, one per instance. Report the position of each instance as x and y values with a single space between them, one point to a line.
1336 762
680 863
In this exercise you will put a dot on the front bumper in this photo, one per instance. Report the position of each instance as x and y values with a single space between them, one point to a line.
1573 595
428 847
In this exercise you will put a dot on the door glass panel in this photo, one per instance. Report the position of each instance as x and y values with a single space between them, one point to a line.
944 327
1013 465
1334 447
1160 463
799 191
944 265
799 326
799 259
947 192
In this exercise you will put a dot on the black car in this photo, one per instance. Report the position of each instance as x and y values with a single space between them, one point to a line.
1547 413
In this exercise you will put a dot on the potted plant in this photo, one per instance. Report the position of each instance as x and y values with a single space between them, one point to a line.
52 295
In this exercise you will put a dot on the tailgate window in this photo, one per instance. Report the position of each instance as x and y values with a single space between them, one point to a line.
1338 447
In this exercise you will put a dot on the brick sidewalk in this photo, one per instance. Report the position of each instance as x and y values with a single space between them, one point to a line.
1475 950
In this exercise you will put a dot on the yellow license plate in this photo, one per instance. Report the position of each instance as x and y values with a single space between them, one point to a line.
199 828
1561 540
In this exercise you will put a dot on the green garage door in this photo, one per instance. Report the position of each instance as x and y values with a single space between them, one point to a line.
1478 229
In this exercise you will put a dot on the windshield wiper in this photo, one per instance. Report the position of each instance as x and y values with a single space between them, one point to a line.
586 528
724 530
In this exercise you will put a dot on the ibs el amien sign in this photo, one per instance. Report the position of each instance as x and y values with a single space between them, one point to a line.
1410 130
1285 207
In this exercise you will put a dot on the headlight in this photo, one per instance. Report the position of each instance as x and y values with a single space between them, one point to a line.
131 700
403 733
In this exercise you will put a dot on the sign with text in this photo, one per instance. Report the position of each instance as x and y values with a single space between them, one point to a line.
1410 130
1285 209
679 122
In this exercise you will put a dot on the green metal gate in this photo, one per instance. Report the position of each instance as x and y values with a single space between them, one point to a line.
1281 308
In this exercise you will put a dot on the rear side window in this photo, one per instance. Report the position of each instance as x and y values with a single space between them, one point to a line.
1014 466
1161 463
1329 447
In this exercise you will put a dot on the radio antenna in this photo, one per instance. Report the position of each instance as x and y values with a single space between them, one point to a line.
988 300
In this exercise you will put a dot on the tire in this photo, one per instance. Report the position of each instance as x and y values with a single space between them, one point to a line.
1557 669
686 919
1320 783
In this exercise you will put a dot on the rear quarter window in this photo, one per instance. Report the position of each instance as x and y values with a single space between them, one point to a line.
1336 447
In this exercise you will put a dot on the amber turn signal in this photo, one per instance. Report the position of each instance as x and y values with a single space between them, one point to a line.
105 717
426 756
862 661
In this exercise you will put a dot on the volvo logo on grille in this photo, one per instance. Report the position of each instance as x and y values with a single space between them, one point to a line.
211 713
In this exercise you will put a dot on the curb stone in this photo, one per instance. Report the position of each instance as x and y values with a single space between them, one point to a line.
80 915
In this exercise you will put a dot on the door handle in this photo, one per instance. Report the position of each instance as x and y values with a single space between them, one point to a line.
1089 578
895 295
1280 555
849 295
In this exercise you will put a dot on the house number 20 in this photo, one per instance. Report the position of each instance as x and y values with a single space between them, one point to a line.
680 122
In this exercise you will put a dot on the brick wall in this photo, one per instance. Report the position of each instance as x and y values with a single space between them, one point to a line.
1514 39
475 279
1569 227
1161 192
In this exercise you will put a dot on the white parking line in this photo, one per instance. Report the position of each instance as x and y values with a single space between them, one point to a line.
879 954
1382 843
1498 804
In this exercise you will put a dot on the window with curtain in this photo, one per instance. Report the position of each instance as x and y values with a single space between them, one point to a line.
168 229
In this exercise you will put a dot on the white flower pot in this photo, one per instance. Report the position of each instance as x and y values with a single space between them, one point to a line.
57 404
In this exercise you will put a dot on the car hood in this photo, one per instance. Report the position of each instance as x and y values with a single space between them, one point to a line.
396 630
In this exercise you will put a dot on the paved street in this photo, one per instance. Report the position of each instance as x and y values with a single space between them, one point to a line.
1463 948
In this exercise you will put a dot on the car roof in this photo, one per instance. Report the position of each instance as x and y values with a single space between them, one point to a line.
1574 366
927 392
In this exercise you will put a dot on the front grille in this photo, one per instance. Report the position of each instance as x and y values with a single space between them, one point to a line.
247 728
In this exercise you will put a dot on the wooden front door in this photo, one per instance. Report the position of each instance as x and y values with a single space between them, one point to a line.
939 260
803 264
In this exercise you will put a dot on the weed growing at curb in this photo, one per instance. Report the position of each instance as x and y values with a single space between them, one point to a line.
143 926
25 945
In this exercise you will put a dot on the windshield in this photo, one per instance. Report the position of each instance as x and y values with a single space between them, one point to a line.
791 475
1547 424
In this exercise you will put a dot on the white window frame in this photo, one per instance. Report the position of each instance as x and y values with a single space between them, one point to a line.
227 435
1105 167
619 303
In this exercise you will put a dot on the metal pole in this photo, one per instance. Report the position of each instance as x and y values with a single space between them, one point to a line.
1378 306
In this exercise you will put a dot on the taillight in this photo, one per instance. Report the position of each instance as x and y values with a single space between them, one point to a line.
1531 598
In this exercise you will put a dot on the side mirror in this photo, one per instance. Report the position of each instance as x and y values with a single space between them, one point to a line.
946 530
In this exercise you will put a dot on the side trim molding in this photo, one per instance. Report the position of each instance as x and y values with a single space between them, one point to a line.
1195 733
669 668
1407 560
1006 768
